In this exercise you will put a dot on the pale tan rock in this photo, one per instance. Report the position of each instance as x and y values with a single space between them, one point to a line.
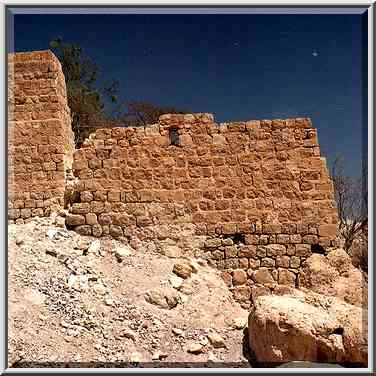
195 348
163 297
259 290
340 260
216 340
316 272
333 275
308 327
175 281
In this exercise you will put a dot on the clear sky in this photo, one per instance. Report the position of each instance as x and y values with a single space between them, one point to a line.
238 67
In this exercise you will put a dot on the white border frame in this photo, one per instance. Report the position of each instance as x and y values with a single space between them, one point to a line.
211 4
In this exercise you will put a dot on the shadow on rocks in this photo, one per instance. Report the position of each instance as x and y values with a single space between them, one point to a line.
248 353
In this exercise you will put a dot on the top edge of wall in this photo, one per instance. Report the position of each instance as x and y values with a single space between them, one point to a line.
32 56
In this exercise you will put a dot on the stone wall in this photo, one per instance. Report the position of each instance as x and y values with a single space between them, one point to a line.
258 190
40 138
253 198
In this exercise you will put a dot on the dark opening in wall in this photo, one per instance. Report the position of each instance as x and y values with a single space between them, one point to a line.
174 137
237 238
339 331
317 248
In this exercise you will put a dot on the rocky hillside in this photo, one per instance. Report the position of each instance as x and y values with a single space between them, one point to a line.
77 299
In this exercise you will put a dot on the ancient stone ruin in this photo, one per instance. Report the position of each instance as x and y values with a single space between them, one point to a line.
258 192
40 138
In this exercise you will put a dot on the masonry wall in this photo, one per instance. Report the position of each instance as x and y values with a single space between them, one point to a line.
40 138
259 190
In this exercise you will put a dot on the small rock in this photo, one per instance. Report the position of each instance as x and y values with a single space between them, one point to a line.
77 358
159 355
73 332
60 222
216 340
51 233
109 302
122 252
135 358
19 240
145 324
99 288
83 245
182 270
157 322
187 288
195 348
203 340
239 323
155 356
72 279
194 265
163 297
94 247
177 331
176 281
135 243
128 333
64 324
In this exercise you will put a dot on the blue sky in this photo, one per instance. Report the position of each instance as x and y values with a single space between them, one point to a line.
238 67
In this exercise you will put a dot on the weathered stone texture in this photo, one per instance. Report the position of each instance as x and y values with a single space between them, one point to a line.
40 138
259 190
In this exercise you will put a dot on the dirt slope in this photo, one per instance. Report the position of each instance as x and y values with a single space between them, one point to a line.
79 300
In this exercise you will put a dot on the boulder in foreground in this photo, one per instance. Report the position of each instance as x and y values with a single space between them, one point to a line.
305 326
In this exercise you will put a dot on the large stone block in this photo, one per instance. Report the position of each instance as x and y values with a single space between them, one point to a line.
328 230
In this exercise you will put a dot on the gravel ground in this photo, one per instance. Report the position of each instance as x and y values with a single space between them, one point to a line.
77 301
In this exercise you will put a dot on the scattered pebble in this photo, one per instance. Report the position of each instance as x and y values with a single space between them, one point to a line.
159 355
216 340
51 233
195 348
203 340
19 240
135 358
72 279
239 323
94 247
122 252
99 288
177 331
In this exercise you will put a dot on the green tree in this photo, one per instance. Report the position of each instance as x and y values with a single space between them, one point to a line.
86 98
93 104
